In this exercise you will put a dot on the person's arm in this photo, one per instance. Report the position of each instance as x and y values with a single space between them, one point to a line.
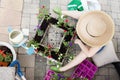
82 46
73 14
88 52
92 51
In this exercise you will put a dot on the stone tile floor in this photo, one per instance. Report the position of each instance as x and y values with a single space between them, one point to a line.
34 67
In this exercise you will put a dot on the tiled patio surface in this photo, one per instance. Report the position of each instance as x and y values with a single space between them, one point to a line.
34 67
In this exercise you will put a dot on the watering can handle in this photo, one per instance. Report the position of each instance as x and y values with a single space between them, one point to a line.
19 72
9 29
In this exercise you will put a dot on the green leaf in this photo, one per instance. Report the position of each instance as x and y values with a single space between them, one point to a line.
57 10
34 43
40 32
1 58
8 58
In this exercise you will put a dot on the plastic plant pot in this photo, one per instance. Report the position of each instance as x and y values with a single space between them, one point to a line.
85 70
11 49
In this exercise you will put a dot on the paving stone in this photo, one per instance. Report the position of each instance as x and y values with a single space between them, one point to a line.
118 54
23 69
32 35
31 11
115 8
103 71
112 71
30 73
21 50
63 2
32 29
118 45
53 1
16 5
114 77
26 15
100 78
27 1
40 67
4 29
16 50
36 2
30 8
27 60
106 8
109 66
34 20
117 35
46 3
113 74
25 22
13 17
63 7
4 37
115 44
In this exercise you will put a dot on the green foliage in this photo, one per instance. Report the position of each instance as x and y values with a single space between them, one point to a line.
40 32
69 32
34 43
56 50
43 13
66 43
60 56
8 58
57 10
55 77
61 19
1 58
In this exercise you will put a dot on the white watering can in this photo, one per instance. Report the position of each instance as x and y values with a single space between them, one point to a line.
18 39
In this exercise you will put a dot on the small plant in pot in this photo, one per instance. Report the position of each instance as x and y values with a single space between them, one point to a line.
7 54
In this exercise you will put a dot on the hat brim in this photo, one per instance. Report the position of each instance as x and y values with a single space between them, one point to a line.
87 38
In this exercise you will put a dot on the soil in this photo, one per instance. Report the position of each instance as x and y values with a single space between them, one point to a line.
68 38
6 50
54 55
63 49
41 48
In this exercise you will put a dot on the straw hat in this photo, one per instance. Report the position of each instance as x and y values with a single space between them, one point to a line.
95 28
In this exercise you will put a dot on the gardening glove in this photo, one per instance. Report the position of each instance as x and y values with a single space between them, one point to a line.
75 5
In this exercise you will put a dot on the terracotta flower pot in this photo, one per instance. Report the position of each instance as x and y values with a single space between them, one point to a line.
4 64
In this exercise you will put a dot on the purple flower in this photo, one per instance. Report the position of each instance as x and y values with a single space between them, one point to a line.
60 76
36 27
70 44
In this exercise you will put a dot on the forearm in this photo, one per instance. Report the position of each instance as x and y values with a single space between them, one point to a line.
82 46
92 51
77 60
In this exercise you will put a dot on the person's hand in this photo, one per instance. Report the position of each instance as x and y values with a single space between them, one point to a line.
83 47
88 51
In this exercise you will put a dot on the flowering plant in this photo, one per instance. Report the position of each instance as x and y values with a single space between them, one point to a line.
5 56
43 13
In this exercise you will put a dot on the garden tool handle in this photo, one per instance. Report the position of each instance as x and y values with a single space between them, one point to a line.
117 67
19 72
